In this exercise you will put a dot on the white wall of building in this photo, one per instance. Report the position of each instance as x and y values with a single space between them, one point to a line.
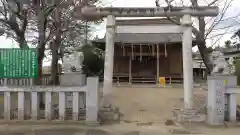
198 64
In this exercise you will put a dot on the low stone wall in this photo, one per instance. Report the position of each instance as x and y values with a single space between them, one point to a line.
22 103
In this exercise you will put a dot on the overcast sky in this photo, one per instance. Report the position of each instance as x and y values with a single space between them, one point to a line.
233 11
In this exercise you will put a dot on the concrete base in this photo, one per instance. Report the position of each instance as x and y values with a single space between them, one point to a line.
230 81
73 79
219 97
93 123
216 100
188 116
109 115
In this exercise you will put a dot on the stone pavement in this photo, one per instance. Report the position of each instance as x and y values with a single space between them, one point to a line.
74 132
115 129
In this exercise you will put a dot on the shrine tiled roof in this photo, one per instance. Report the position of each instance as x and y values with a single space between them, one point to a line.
233 50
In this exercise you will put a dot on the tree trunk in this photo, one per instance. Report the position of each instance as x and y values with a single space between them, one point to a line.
201 43
54 66
39 79
41 47
205 56
41 39
21 40
55 46
40 55
41 50
39 82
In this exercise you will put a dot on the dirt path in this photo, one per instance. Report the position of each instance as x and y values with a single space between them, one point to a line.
156 105
153 104
146 104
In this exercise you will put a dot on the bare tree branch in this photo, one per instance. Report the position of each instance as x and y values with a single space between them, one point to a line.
220 36
194 3
228 18
15 20
195 30
216 21
229 26
213 2
169 18
25 21
50 35
4 12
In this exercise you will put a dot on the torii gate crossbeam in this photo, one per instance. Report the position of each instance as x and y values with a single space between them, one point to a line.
149 12
184 12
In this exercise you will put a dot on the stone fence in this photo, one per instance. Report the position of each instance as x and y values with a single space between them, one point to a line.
26 100
222 99
45 80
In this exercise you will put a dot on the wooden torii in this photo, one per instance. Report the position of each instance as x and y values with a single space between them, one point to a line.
185 12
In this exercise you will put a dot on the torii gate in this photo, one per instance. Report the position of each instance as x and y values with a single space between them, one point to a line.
184 12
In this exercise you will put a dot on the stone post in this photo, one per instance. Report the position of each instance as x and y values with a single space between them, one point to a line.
92 100
7 105
232 106
21 105
215 100
62 105
231 98
73 79
48 105
109 59
34 105
187 61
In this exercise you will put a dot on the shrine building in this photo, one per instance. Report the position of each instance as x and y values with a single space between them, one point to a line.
146 49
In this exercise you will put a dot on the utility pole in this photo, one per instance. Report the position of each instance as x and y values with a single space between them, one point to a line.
185 12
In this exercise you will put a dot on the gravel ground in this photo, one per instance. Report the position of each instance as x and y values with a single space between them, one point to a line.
144 109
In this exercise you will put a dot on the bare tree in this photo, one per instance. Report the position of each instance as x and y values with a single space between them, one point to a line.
43 11
15 17
64 21
54 46
201 34
14 20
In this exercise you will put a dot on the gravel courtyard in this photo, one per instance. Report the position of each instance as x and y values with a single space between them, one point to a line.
148 105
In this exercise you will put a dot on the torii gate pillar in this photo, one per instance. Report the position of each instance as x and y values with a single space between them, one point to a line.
187 61
109 58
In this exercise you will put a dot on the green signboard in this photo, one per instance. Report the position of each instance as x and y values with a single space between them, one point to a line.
18 63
